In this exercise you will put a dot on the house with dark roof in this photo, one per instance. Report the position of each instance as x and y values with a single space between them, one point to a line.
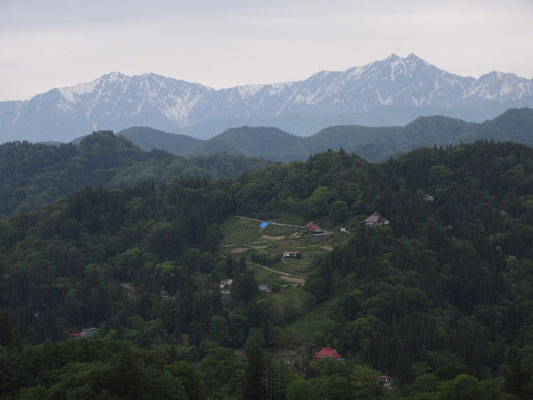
328 352
376 219
224 283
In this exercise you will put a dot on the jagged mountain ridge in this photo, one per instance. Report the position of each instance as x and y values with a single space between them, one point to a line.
117 101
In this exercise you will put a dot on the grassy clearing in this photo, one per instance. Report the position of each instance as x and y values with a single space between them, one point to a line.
236 230
292 299
264 277
312 319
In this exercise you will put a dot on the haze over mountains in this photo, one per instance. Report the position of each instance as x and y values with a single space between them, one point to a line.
393 91
371 143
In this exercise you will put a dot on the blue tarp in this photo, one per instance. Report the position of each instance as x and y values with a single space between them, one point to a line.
263 225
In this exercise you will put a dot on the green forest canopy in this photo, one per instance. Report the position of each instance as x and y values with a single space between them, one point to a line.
441 299
36 174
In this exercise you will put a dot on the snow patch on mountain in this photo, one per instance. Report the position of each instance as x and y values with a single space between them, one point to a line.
117 101
249 90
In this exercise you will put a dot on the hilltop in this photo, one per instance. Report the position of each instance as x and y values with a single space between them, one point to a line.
36 174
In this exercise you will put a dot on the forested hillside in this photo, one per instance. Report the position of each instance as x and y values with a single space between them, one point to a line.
380 143
148 139
36 174
440 299
372 143
266 142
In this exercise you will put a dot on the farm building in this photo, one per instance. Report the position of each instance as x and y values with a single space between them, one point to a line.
385 381
264 289
88 332
224 283
291 254
328 352
313 228
85 333
376 219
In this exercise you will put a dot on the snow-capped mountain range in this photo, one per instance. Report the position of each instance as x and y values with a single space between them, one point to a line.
116 101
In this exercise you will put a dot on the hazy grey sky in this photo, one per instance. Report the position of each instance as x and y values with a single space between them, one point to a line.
52 43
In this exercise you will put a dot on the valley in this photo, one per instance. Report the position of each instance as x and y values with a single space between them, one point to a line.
254 200
434 289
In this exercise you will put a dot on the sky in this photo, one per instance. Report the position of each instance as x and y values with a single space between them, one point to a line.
56 43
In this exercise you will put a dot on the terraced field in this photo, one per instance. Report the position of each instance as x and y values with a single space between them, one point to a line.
263 250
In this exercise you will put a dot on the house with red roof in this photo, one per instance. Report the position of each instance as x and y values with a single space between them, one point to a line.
313 228
385 381
328 352
85 333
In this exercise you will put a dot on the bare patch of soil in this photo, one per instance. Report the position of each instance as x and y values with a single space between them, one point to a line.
238 250
273 237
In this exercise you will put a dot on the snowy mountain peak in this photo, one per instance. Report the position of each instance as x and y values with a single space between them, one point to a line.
117 101
413 57
114 75
111 77
392 57
151 75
